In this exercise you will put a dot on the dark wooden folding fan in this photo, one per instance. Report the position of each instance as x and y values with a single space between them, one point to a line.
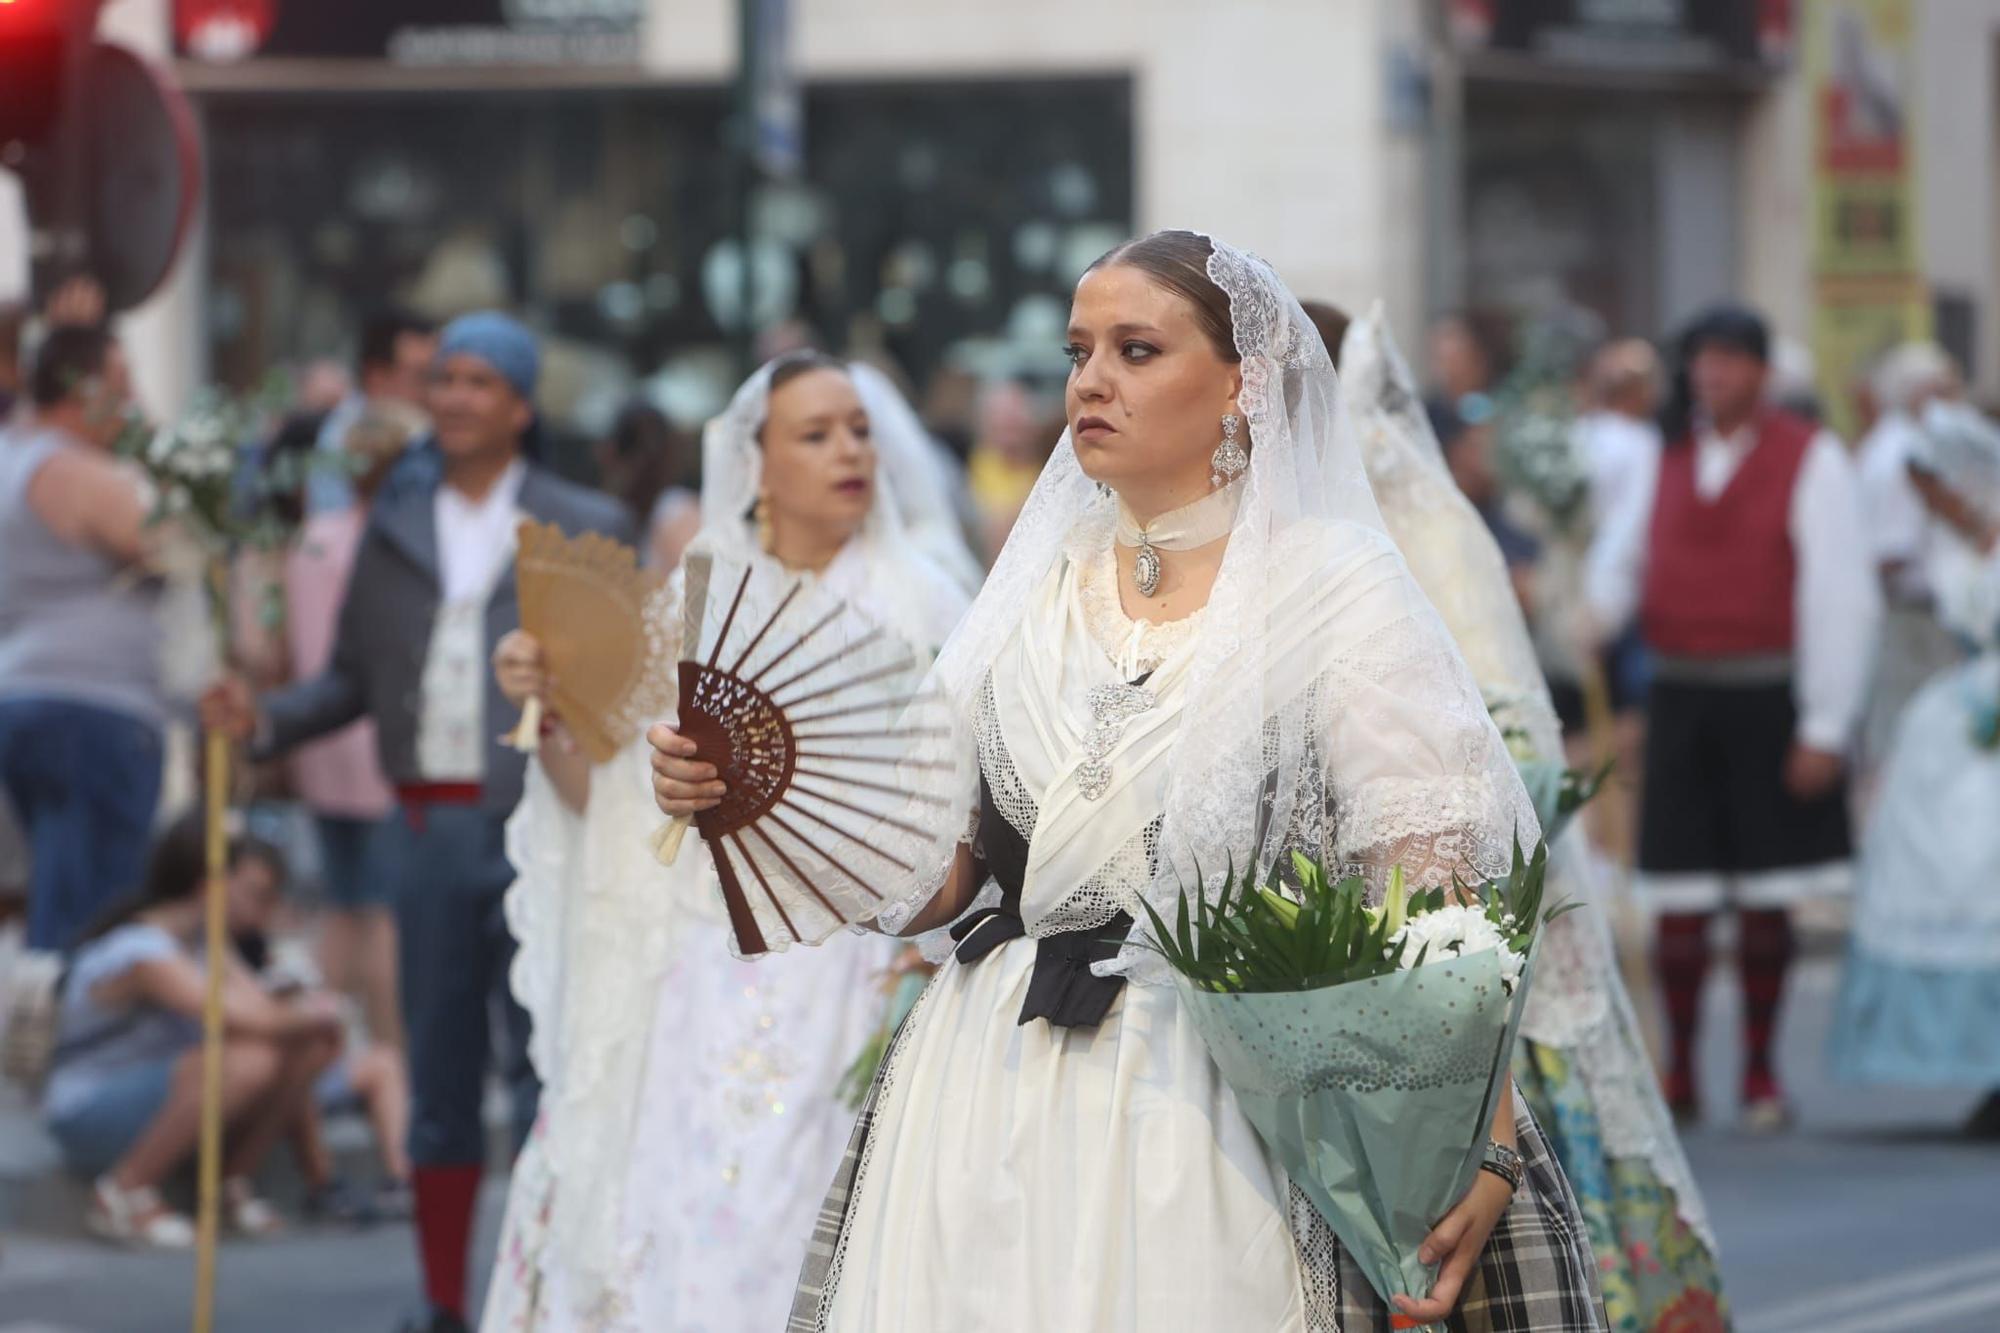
834 755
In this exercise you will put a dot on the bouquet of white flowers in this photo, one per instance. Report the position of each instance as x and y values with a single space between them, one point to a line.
1368 1045
206 508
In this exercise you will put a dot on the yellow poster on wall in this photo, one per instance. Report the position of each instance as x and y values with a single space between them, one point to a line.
1868 287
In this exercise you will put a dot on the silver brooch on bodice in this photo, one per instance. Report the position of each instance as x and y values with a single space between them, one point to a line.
1111 707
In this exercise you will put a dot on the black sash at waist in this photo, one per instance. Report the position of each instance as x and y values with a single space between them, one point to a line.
1061 986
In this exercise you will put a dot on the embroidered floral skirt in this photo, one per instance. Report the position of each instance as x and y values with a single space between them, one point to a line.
1657 1274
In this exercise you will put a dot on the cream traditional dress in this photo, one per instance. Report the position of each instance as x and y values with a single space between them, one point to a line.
691 1112
1049 1145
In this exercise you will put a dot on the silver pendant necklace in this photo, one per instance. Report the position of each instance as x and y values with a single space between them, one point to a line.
1188 528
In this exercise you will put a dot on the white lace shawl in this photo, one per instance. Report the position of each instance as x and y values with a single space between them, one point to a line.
1404 766
596 919
1578 1001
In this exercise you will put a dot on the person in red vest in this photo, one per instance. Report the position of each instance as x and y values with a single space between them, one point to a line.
1749 566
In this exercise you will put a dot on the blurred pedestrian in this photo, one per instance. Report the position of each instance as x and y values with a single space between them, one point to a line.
652 468
1920 1001
1618 435
367 1076
125 1089
339 778
81 706
431 594
1008 450
1468 355
397 348
13 323
1761 608
1793 385
1468 456
1915 646
323 385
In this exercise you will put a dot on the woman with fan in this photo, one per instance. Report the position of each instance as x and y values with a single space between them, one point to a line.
691 1112
1198 649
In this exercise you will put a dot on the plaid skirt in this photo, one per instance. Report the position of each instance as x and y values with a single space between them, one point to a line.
1537 1274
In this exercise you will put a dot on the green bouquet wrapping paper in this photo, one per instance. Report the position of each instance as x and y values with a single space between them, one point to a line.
1375 1095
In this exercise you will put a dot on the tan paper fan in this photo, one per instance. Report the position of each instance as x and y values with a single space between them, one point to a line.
602 623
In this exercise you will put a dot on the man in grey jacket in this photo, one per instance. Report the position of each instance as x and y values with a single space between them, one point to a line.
431 594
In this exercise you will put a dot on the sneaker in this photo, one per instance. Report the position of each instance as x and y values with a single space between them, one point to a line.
136 1217
246 1214
1767 1115
338 1203
394 1203
1984 1123
437 1321
1765 1110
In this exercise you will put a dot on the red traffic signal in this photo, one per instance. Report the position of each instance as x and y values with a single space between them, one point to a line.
38 42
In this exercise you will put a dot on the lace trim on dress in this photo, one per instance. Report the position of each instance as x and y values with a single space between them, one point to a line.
1136 647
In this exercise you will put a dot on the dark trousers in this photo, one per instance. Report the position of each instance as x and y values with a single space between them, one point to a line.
86 782
455 950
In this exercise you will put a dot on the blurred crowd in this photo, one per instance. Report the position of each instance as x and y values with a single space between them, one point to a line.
1557 431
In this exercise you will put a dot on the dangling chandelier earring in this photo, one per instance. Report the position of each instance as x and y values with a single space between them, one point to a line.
761 516
1230 460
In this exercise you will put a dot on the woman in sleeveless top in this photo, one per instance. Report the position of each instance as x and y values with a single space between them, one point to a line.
80 698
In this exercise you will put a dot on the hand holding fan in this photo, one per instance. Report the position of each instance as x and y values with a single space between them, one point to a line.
839 765
603 624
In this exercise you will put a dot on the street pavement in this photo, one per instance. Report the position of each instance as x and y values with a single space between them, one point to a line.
1870 1217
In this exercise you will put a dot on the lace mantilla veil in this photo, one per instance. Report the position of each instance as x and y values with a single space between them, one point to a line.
909 567
1325 708
1578 1001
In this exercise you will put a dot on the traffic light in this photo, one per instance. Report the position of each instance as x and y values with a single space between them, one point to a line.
40 43
105 146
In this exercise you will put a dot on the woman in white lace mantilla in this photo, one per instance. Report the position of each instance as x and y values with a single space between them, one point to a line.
1581 1061
691 1110
1218 658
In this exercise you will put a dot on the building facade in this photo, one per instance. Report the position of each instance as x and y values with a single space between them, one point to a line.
961 160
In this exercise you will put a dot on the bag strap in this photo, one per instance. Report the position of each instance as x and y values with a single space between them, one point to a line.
90 1040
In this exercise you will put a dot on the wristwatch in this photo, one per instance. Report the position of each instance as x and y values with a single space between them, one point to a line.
1503 1162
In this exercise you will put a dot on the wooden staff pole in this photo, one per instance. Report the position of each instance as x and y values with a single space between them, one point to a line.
215 952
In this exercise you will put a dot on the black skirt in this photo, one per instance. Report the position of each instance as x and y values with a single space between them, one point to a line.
1715 800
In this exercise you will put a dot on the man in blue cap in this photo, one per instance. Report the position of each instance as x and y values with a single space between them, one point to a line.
431 595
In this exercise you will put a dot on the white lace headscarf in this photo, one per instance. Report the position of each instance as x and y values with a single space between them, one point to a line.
922 477
1449 548
1960 446
1250 773
907 566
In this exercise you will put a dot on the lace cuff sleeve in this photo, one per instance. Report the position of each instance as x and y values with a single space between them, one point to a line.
1418 775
